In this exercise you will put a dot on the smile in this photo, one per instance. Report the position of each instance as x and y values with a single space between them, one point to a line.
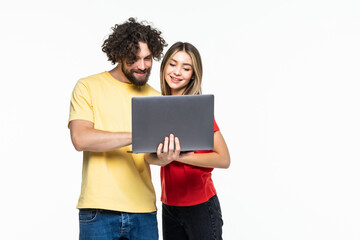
140 73
175 80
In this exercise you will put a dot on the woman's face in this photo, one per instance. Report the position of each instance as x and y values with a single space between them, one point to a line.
178 72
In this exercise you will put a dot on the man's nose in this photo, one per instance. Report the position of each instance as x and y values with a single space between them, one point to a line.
141 65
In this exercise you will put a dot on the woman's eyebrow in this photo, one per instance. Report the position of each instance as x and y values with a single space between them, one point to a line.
183 63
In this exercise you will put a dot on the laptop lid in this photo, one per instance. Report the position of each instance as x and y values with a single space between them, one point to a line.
188 117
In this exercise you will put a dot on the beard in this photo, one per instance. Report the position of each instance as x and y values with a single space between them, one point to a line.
138 81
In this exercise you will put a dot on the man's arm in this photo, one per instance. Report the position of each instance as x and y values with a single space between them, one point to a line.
85 138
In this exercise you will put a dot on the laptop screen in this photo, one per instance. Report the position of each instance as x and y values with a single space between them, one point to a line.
188 117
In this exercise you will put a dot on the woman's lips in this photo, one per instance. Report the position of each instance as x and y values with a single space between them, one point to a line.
175 80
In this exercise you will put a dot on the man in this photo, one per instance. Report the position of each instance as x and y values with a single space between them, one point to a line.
117 197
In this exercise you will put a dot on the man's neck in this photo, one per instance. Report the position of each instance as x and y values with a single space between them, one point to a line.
118 74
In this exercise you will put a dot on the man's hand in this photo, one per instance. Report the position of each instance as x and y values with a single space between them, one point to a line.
169 150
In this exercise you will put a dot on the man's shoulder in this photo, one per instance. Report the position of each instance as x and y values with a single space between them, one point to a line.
94 77
93 80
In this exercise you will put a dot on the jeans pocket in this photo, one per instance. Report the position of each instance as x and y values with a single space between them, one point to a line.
87 215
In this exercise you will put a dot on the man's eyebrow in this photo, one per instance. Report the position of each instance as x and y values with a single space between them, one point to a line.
148 56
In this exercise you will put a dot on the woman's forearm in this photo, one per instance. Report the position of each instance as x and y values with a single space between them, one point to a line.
218 158
209 160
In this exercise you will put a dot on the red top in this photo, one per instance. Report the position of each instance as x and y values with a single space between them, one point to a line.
186 185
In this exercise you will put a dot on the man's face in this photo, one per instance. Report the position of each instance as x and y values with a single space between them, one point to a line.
138 72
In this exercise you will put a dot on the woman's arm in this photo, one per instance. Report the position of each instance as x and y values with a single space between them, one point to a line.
218 158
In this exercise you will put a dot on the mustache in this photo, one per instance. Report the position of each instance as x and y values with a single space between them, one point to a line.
140 71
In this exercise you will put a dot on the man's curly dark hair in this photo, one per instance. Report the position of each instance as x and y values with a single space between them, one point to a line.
123 43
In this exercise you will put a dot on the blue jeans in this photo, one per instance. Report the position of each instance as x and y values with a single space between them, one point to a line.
198 222
97 224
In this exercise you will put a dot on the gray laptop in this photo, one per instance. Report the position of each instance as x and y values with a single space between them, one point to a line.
188 117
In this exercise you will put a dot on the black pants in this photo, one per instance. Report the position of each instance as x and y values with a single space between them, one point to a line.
199 222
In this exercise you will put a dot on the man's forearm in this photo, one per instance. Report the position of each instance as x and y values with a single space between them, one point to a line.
151 158
86 138
99 141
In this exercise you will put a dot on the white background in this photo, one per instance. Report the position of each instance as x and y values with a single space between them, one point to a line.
285 75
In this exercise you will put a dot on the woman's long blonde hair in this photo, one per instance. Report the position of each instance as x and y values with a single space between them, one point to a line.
194 86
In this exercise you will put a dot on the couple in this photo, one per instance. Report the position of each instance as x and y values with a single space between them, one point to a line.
117 199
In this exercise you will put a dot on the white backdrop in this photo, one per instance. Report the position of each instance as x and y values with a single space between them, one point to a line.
285 75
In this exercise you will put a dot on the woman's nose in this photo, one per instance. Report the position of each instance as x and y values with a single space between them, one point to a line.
177 71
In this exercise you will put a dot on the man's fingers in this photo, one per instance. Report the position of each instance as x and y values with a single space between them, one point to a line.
171 143
177 146
170 149
166 145
159 149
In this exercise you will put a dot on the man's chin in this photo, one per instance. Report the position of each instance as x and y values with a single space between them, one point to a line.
139 82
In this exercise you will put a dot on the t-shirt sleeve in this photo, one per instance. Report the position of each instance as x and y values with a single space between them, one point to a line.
216 127
81 106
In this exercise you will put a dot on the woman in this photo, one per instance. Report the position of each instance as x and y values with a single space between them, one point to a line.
191 209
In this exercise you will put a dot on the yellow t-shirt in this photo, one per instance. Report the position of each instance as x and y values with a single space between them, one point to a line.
114 180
